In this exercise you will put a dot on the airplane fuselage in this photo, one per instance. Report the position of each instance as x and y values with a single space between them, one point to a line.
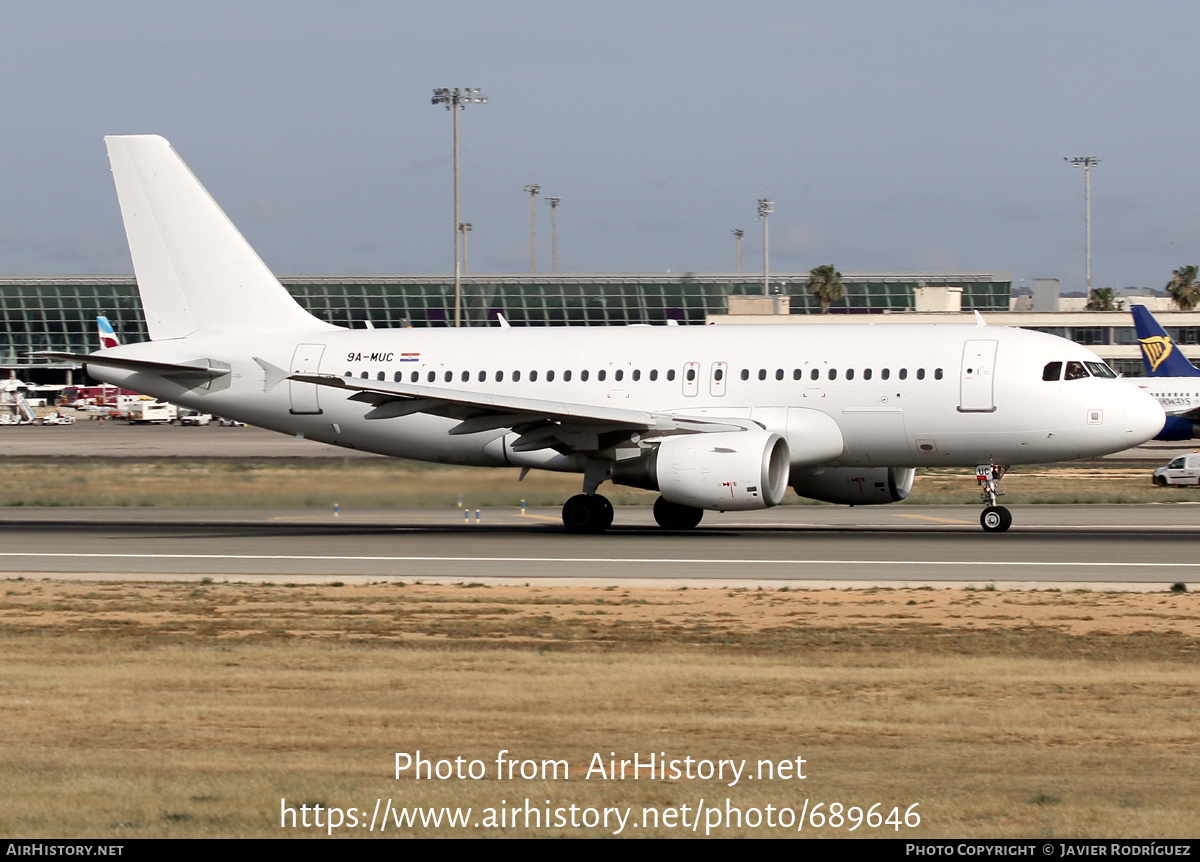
917 395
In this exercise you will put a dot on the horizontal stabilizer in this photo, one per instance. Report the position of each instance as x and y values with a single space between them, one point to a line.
162 369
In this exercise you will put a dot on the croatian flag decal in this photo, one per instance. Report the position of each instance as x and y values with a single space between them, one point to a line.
410 357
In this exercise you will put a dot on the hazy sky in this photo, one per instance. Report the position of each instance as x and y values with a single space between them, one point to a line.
891 135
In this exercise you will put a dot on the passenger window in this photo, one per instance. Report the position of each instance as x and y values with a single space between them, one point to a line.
937 374
550 376
533 377
653 374
719 375
796 374
364 375
816 373
583 375
1075 371
567 376
600 375
1052 371
920 373
379 376
745 373
903 373
516 377
620 375
431 376
449 376
762 374
395 377
885 374
670 374
866 374
414 377
499 376
778 373
466 375
849 373
483 377
637 374
351 374
833 374
691 374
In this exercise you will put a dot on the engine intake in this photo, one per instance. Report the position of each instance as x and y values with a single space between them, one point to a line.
726 471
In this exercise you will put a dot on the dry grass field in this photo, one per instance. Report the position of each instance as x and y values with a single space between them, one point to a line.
148 710
370 482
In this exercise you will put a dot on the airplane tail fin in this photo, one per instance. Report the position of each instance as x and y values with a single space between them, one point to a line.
195 271
1160 356
108 337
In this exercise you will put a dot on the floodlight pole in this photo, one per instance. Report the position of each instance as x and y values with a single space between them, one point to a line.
1086 162
456 100
765 208
738 233
464 227
532 190
554 202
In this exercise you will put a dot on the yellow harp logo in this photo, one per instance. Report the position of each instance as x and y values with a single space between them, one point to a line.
1156 348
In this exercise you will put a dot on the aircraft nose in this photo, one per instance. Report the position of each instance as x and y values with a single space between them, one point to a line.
1144 417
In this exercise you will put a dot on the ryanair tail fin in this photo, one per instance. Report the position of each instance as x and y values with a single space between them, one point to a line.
195 271
108 337
1160 356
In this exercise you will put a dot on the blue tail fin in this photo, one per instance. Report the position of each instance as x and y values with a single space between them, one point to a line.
1160 356
108 338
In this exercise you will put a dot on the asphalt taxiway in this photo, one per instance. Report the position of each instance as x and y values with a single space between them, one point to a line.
1098 546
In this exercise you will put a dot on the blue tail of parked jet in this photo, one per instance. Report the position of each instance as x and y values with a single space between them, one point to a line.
108 338
1160 356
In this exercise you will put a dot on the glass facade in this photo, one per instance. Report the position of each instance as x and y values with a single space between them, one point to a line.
59 312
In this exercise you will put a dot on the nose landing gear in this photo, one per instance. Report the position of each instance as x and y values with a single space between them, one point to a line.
994 519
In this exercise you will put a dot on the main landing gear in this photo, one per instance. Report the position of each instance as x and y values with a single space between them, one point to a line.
587 513
675 516
994 519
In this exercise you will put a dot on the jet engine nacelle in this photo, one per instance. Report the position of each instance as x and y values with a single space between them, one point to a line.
854 486
1177 428
727 471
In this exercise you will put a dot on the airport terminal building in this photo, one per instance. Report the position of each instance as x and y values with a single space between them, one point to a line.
58 312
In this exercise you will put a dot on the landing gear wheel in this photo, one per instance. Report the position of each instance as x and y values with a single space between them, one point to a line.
673 516
996 519
586 513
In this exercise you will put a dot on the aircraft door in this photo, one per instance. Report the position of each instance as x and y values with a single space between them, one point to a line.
306 360
976 383
691 379
716 382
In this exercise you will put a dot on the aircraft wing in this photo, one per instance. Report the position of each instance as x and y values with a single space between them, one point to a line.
542 424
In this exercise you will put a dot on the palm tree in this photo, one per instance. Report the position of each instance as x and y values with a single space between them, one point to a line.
825 282
1105 299
1183 288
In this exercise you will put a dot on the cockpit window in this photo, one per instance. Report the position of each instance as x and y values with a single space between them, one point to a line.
1100 369
1075 371
1052 371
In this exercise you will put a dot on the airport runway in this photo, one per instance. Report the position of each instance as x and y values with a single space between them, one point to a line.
1101 547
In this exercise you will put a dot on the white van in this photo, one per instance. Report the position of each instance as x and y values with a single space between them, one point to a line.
1184 470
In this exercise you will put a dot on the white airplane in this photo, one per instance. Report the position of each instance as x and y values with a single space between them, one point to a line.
717 418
